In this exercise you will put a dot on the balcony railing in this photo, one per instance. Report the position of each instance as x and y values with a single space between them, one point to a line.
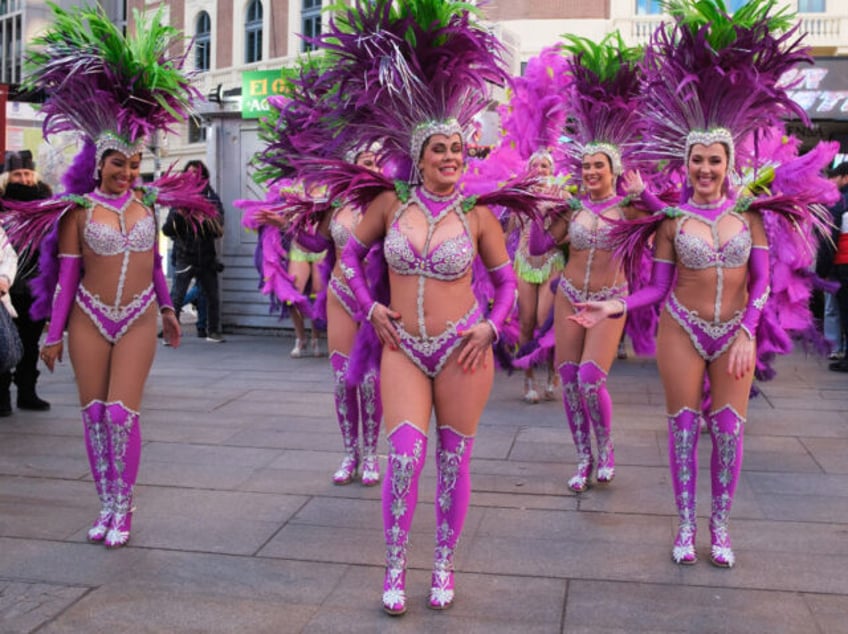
822 30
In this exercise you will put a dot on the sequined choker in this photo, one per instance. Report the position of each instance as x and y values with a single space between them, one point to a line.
601 201
435 203
115 202
720 202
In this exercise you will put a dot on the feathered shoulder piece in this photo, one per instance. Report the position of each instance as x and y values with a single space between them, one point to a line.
113 88
601 100
714 77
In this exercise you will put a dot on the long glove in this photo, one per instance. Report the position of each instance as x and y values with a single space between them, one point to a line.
351 264
70 272
503 279
160 284
758 289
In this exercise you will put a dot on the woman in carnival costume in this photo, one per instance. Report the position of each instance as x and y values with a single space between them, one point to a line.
324 227
711 82
412 76
602 103
107 279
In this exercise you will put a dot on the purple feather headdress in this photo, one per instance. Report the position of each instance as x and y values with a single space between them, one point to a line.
601 100
395 74
114 89
713 77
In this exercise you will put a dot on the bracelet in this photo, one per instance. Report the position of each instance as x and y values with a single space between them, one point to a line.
371 311
623 309
494 330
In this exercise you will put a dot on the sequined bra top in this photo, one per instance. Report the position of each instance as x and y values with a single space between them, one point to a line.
104 239
339 232
695 252
584 238
449 260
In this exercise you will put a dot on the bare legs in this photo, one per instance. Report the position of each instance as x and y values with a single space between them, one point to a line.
302 273
682 371
583 361
110 379
458 399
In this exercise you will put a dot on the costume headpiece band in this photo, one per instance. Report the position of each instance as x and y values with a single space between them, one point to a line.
708 137
611 151
424 131
110 140
539 155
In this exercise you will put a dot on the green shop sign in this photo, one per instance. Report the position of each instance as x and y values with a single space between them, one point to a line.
257 86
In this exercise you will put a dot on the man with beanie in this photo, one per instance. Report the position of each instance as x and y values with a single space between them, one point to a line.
22 183
839 263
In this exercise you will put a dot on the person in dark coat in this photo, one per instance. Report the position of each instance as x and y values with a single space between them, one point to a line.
23 183
195 257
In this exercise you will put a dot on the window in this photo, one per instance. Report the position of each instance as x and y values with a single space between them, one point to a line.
253 33
202 41
196 130
811 6
648 7
311 25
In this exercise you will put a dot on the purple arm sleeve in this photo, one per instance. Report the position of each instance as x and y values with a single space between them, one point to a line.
651 201
662 273
312 242
503 279
70 271
351 264
758 289
160 284
540 241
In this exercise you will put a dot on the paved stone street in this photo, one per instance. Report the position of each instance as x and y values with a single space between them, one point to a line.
239 528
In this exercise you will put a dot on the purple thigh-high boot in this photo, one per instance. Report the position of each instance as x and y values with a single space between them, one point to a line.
683 433
598 405
371 410
726 427
453 492
407 450
575 412
347 411
125 456
97 446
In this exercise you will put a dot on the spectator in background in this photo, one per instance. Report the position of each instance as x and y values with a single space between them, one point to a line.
21 182
195 258
836 267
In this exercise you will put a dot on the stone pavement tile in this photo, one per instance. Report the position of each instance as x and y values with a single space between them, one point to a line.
484 603
801 484
205 466
492 443
334 544
574 527
779 453
615 608
166 431
209 521
31 454
523 501
778 537
284 438
26 606
831 454
129 608
798 422
42 508
823 507
71 563
828 612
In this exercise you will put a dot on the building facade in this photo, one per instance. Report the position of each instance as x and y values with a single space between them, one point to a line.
234 40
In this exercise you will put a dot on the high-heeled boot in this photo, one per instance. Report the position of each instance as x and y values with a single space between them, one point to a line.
124 457
683 434
97 443
578 422
598 404
453 491
726 427
347 412
371 410
407 450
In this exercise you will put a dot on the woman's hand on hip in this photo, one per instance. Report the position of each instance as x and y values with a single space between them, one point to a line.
476 343
742 355
382 318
